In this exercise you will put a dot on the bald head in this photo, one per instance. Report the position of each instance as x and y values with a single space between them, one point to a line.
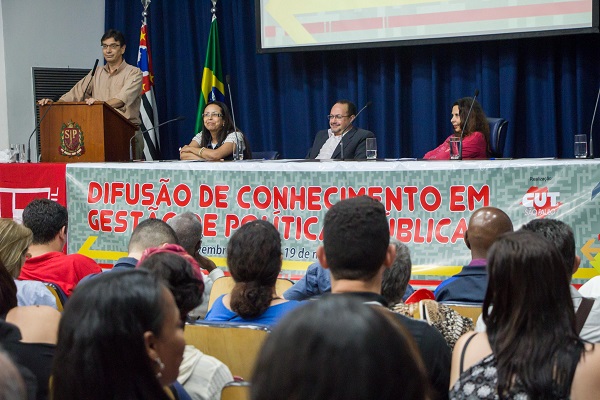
485 226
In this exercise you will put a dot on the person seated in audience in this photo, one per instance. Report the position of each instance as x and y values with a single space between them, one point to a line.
202 376
531 348
218 138
561 235
48 221
476 132
395 279
338 348
356 249
188 229
14 250
28 334
12 385
254 261
469 285
317 281
120 337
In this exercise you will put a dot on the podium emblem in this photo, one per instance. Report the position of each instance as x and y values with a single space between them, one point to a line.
71 140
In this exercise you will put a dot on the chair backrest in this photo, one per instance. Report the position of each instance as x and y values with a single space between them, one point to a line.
468 310
236 391
237 345
265 155
498 129
225 284
59 295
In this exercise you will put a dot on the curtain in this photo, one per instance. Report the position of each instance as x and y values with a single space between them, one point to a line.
545 87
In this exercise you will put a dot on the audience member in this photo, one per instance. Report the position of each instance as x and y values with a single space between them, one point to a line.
121 337
14 250
563 238
188 229
531 348
469 285
475 132
317 281
356 249
338 348
147 234
202 376
48 221
12 386
254 261
342 140
395 279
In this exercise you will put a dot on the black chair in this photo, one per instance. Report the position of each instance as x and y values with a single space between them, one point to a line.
59 295
498 129
265 155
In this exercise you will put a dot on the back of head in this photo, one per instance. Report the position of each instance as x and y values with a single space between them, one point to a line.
356 237
179 276
395 279
101 352
339 348
151 233
8 291
12 386
14 242
188 229
531 323
485 226
45 218
254 261
558 233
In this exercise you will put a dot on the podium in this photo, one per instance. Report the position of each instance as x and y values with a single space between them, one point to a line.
77 132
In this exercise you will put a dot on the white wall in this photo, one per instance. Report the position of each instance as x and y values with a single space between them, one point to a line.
41 33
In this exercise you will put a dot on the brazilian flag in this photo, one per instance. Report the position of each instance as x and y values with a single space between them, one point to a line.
212 76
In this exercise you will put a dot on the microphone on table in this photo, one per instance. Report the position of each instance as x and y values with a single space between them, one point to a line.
237 153
179 118
350 124
37 126
592 126
91 78
462 131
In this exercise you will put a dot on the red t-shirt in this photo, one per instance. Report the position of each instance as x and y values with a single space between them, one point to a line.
474 147
64 270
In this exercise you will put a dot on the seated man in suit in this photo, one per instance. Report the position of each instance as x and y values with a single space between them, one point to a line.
341 140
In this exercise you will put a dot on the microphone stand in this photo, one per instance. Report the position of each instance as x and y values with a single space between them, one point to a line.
34 130
462 131
237 155
179 118
592 125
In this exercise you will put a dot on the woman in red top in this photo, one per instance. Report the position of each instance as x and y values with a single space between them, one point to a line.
476 135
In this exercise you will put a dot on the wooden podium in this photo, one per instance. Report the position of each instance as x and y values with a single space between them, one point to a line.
77 132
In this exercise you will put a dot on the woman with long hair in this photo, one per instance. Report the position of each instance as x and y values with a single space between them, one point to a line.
254 261
475 134
120 337
14 250
218 138
337 347
531 348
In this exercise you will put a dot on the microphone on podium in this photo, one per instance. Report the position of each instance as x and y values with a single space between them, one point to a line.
37 126
179 118
462 131
91 78
348 126
238 154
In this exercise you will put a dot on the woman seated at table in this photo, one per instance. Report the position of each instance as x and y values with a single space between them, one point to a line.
218 138
531 349
476 136
254 261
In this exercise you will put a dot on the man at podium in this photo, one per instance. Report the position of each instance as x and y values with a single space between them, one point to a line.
116 83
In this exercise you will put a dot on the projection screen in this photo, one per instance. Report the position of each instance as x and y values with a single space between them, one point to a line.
288 25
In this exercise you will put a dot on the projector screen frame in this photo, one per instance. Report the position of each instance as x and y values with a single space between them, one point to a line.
594 29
